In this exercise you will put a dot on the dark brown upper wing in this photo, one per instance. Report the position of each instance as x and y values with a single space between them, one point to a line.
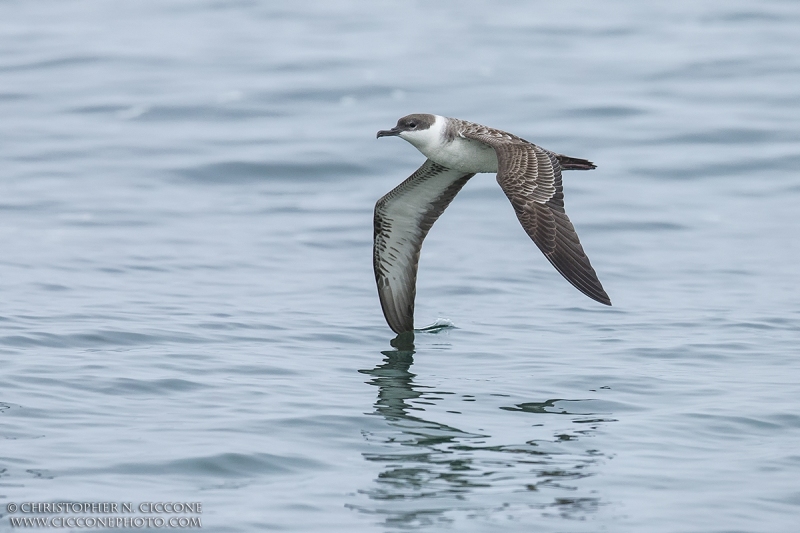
402 220
531 178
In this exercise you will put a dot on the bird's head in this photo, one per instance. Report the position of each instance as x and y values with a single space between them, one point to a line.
415 129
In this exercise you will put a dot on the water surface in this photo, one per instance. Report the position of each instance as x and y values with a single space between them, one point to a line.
188 305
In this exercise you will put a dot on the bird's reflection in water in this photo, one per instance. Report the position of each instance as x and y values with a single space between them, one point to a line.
434 473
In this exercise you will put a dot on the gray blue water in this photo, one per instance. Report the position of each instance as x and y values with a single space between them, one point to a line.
187 304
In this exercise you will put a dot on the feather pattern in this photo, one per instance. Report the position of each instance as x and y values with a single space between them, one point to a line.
402 220
530 176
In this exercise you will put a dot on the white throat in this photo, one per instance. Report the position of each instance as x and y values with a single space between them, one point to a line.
430 139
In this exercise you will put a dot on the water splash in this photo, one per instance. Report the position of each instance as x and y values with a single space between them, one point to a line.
440 325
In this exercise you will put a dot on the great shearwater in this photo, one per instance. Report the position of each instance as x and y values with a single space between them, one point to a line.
457 150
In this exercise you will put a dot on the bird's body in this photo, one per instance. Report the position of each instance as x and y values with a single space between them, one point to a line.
457 150
441 144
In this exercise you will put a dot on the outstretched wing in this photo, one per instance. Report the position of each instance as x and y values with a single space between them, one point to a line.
531 178
402 220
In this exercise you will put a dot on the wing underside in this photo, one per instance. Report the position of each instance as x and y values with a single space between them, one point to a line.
402 220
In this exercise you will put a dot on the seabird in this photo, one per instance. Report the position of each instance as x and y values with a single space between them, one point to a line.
457 150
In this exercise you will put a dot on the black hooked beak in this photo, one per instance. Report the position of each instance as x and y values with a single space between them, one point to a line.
394 132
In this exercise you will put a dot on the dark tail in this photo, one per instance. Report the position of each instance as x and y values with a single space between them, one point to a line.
573 163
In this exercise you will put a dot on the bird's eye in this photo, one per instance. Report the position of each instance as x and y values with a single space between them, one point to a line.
412 124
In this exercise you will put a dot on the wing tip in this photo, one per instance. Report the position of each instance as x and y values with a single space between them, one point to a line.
583 278
603 299
398 322
400 330
596 293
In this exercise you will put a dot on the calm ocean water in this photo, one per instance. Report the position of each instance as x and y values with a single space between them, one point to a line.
188 309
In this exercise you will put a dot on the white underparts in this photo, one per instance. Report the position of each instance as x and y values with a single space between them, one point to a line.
460 154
